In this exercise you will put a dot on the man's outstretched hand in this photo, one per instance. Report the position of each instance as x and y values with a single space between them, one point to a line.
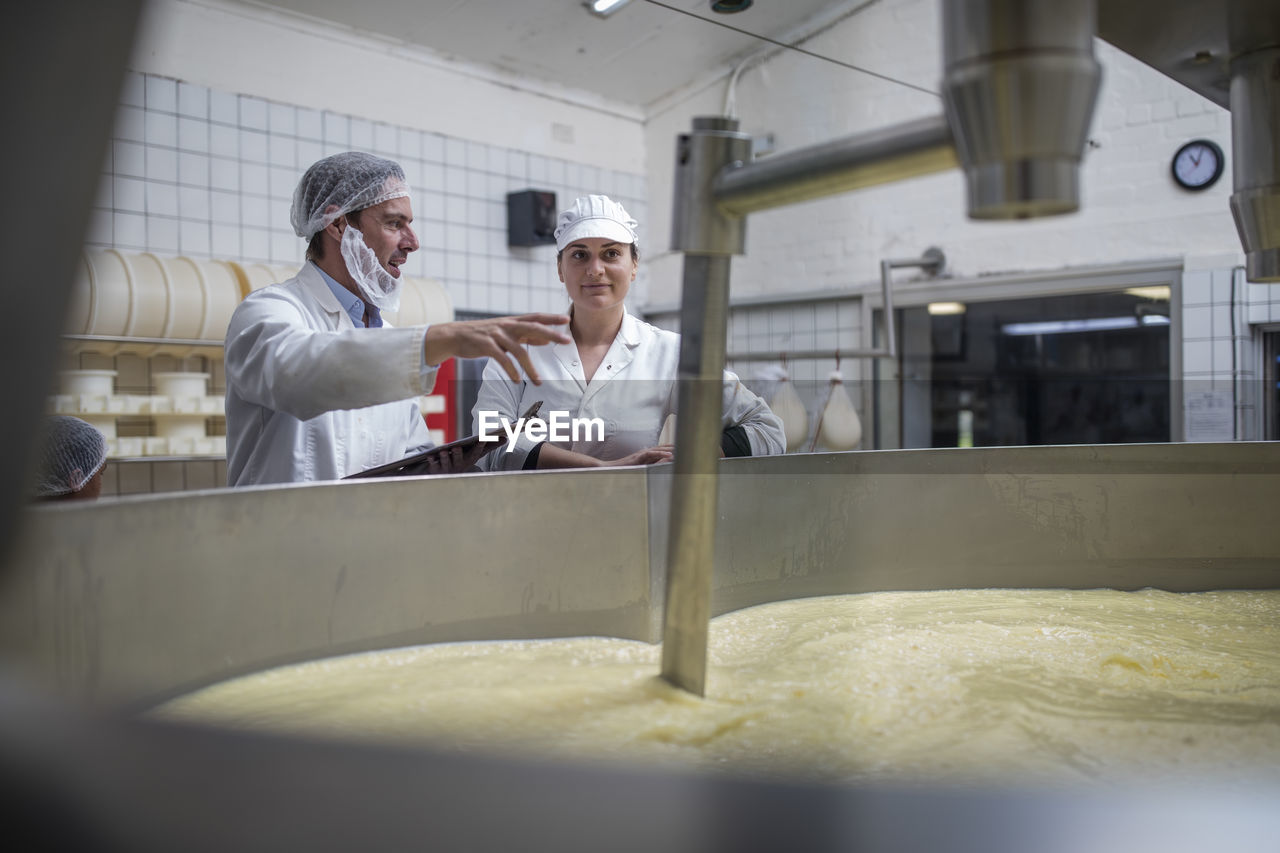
499 338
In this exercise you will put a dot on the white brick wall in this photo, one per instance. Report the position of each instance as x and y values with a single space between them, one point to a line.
226 106
1221 348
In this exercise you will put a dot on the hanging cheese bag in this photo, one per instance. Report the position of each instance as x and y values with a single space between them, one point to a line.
839 427
787 405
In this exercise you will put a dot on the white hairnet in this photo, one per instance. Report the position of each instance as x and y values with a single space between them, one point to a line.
73 452
594 216
343 182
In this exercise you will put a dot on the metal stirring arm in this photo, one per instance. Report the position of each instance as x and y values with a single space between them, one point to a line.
709 238
708 162
691 547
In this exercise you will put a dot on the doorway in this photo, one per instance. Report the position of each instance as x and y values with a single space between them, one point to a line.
1075 368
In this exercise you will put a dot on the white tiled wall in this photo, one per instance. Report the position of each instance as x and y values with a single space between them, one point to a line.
1221 351
207 173
1218 359
832 324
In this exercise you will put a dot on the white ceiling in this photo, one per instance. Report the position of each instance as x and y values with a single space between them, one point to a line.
638 55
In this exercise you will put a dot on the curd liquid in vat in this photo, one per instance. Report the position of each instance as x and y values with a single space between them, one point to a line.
1053 687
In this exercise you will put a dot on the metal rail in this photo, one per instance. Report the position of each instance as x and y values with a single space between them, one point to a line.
931 261
168 342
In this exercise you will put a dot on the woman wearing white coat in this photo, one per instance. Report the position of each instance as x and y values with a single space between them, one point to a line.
617 370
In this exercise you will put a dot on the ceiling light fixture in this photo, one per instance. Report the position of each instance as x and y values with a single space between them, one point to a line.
728 7
939 309
604 8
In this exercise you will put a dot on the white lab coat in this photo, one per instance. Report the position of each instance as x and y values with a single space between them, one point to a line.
632 391
312 397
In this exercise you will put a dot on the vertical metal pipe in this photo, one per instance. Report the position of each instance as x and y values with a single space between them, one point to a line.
886 289
1255 127
691 546
698 223
708 236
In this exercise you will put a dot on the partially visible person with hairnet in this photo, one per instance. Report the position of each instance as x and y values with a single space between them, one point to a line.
318 387
71 461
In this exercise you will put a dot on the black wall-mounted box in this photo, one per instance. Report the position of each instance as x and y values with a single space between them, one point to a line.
531 218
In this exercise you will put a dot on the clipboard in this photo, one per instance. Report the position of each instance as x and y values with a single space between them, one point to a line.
419 463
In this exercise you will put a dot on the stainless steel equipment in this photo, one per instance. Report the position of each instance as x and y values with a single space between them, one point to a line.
1255 127
708 237
1020 82
122 603
1019 85
126 602
1229 52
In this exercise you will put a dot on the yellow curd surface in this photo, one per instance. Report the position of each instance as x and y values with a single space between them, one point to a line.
1056 687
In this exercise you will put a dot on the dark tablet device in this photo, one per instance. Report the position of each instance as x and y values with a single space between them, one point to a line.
421 463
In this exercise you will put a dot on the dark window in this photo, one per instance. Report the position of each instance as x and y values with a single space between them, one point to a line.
1078 369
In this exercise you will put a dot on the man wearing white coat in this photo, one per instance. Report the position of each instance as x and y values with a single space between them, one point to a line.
617 377
318 387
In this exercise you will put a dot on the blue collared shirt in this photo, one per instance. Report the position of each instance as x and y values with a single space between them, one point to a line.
356 307
352 304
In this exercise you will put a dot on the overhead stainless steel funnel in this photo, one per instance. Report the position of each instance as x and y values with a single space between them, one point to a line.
1255 127
1019 84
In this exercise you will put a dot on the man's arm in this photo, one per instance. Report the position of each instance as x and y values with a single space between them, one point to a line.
273 359
761 428
499 339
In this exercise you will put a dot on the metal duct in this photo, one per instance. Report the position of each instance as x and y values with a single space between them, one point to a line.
1019 85
1255 126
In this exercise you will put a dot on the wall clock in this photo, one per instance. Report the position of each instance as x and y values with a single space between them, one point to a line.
1198 164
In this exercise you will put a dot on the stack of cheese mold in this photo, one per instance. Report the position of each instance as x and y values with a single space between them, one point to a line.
148 305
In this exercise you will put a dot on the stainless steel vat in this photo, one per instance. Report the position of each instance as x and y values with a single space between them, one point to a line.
126 602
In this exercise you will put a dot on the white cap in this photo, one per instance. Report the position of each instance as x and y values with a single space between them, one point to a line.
594 216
